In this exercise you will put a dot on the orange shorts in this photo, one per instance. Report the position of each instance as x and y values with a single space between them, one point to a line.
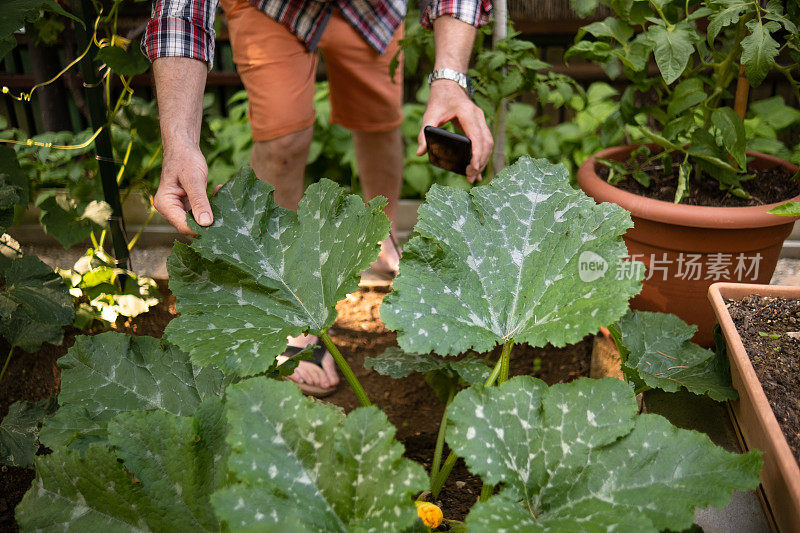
279 75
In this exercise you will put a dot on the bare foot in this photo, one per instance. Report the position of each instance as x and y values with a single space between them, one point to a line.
309 372
388 259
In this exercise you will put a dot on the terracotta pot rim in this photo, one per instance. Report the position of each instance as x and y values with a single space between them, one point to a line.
680 214
740 362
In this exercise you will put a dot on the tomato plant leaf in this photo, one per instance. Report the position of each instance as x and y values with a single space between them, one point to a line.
158 476
611 27
656 349
687 94
731 130
672 48
759 50
348 472
511 259
579 454
19 431
786 209
262 272
111 373
726 12
34 304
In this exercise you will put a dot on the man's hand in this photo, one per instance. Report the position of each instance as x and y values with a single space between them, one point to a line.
449 103
184 175
179 87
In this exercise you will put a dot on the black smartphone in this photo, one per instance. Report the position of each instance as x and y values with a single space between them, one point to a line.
448 150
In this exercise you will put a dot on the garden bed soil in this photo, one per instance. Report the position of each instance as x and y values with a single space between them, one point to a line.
770 332
359 333
767 186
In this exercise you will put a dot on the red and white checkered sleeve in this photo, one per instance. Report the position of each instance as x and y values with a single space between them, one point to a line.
475 12
181 28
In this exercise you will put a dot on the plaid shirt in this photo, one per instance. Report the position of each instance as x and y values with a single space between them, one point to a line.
185 28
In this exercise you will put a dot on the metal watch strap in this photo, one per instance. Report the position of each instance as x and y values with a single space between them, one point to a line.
453 75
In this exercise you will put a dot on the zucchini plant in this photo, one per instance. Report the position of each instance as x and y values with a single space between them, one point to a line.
656 353
149 437
261 273
144 440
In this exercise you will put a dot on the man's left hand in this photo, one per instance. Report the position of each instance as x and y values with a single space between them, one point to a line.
448 102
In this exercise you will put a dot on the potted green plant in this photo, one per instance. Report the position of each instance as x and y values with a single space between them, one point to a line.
760 337
698 197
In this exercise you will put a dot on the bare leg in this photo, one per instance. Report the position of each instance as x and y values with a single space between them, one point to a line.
380 162
282 162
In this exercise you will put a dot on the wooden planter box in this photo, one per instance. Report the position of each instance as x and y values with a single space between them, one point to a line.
753 416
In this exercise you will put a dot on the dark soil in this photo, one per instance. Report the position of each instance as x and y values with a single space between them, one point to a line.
766 187
770 332
359 333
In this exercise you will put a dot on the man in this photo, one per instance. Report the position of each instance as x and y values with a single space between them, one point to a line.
273 43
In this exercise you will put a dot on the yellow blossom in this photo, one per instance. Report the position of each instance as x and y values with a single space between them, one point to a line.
430 514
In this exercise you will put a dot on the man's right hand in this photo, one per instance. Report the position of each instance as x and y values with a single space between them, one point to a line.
184 175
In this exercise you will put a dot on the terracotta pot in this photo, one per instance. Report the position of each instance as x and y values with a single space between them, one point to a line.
686 248
754 419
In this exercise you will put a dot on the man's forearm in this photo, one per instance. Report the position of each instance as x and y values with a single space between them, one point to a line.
453 43
180 82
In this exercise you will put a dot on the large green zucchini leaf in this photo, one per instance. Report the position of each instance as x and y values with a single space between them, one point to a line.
396 363
657 352
34 303
111 373
262 272
576 457
502 262
169 467
19 431
290 452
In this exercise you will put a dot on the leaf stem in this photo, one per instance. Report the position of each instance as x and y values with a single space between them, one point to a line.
438 482
495 373
437 454
505 361
351 378
486 491
8 359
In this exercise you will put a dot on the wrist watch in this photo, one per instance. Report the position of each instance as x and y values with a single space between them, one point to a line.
464 81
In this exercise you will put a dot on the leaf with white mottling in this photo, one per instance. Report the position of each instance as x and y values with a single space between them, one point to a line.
71 493
111 373
502 262
261 273
396 363
171 466
19 431
34 304
347 473
577 457
500 513
176 459
657 350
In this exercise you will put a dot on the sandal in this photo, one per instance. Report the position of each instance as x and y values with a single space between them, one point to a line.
317 354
